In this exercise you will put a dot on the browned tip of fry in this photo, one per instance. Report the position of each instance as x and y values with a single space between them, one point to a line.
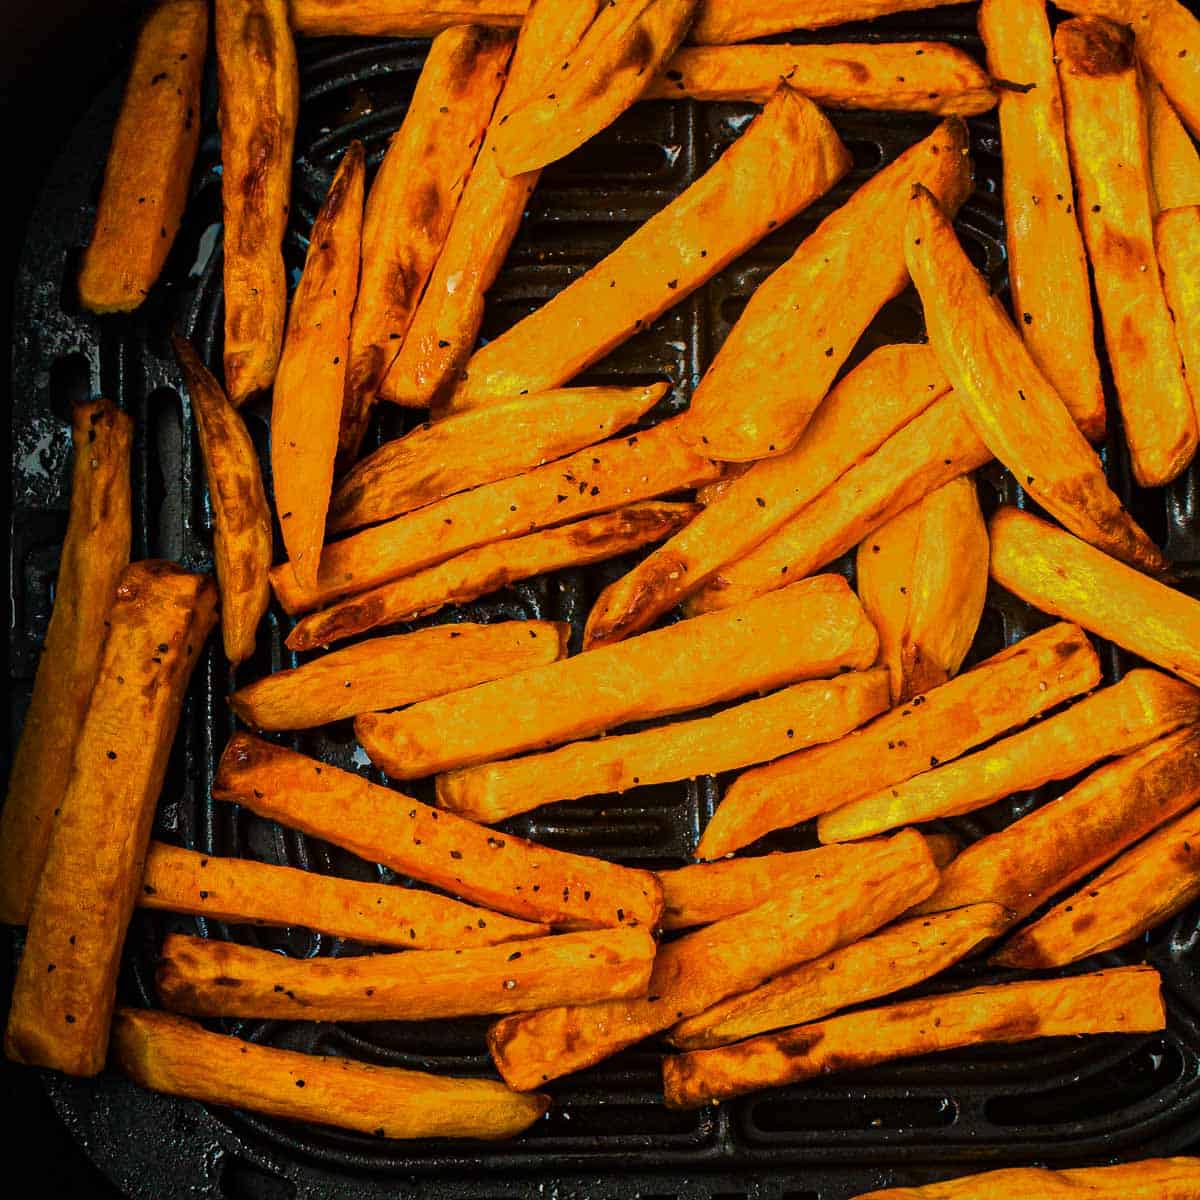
635 611
1094 46
241 751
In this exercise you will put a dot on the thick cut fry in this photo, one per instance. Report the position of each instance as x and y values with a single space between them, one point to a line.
930 451
1038 856
206 978
241 518
67 981
891 387
607 71
1144 887
389 672
176 1056
720 21
1144 706
259 90
1174 160
1062 575
781 357
901 76
754 732
239 890
700 968
487 568
1004 692
1011 404
95 551
896 958
1110 160
1168 42
1046 263
306 404
464 451
610 475
789 155
411 205
1124 1000
400 18
501 872
150 160
883 568
809 631
1177 243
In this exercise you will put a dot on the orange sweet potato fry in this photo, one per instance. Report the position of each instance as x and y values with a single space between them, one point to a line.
1174 159
1177 244
720 21
400 18
1168 42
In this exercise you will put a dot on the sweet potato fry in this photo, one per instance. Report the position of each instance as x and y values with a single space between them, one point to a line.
700 968
1144 706
1177 244
95 552
1011 404
181 1058
67 981
809 631
922 578
933 449
1124 1000
781 357
412 203
610 475
241 518
1004 692
1168 42
487 568
887 390
1062 575
753 732
789 155
897 957
259 89
400 18
625 46
1144 887
1038 856
1174 160
1110 160
306 404
464 451
389 672
720 21
901 76
205 978
1046 264
435 847
150 160
243 891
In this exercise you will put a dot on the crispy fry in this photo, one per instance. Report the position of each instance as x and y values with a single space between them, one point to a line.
933 449
753 732
809 631
150 160
1038 856
400 18
1168 42
259 90
887 390
700 968
306 404
181 1058
411 206
736 21
436 847
781 357
898 957
67 981
1174 160
1062 575
1011 404
487 568
900 76
1124 1000
1144 706
205 978
389 672
243 891
95 551
241 518
1144 887
1004 692
1177 244
789 155
464 451
1046 264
